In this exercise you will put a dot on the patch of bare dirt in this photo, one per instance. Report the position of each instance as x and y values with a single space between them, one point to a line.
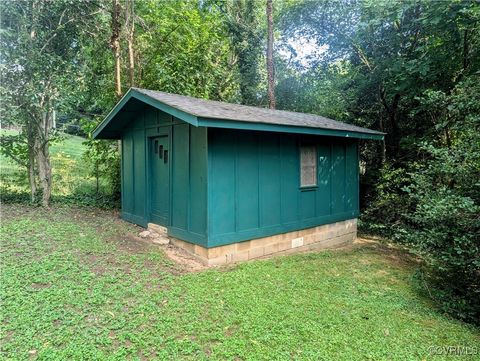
39 286
111 229
132 243
392 252
184 259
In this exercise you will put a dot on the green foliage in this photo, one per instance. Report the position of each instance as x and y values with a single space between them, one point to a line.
72 182
15 147
246 28
445 230
103 159
387 208
93 291
409 69
185 50
444 226
39 55
433 205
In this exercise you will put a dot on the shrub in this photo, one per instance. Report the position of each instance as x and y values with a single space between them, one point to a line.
385 213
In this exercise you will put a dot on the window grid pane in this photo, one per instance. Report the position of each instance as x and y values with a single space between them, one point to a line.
308 165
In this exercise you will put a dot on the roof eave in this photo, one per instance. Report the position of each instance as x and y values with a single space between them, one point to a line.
266 127
99 133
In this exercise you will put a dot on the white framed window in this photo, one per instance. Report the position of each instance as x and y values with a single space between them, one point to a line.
308 165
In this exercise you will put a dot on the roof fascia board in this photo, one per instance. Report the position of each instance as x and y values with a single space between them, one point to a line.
132 93
112 113
216 123
180 114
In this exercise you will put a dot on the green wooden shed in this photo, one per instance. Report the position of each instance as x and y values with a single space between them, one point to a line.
232 182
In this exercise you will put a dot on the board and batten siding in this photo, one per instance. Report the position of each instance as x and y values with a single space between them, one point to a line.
188 173
254 184
189 184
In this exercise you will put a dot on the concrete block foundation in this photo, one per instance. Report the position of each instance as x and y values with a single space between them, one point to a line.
315 238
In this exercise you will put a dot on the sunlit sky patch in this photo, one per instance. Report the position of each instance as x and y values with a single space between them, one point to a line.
302 50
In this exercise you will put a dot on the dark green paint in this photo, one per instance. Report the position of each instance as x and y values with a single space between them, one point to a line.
159 191
254 184
221 186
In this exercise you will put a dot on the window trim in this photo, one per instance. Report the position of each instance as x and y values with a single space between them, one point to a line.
307 187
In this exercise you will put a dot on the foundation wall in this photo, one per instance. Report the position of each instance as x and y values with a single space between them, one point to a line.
321 237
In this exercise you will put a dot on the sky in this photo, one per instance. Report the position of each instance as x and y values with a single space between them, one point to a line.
304 50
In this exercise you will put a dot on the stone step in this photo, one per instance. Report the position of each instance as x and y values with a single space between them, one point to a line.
162 231
161 240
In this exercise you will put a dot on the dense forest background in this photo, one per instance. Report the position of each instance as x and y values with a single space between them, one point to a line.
408 68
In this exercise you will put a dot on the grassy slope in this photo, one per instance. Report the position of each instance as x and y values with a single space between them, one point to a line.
76 285
71 144
70 171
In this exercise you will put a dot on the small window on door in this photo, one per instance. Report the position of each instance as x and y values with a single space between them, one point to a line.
308 165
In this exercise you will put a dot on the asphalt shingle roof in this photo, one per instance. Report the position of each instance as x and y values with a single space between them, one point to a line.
226 111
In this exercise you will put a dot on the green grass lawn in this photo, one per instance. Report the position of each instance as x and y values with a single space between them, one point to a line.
76 284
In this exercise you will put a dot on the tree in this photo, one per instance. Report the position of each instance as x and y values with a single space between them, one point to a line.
394 50
444 224
189 53
39 47
270 66
245 30
115 46
409 69
130 35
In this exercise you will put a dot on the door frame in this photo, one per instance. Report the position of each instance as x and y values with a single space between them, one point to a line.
161 131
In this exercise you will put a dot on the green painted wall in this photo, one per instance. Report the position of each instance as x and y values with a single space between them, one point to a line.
188 173
228 186
189 184
254 184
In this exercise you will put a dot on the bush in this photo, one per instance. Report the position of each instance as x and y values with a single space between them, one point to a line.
432 204
103 159
385 213
99 200
445 231
444 227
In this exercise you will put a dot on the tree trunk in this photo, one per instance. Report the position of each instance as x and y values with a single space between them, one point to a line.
31 175
131 62
115 45
130 40
30 128
383 145
45 173
270 67
393 115
42 153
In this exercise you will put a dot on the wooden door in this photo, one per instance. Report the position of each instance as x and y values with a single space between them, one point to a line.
159 180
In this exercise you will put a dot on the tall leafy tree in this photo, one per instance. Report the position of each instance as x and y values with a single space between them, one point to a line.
245 27
395 50
411 70
270 63
39 50
115 45
183 48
